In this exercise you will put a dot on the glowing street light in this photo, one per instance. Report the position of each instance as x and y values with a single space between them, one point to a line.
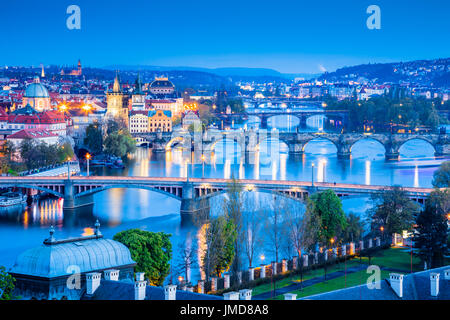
312 175
262 257
68 168
88 157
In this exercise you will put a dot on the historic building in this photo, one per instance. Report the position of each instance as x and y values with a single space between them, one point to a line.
138 96
162 86
30 118
163 96
43 272
190 117
37 96
75 72
87 268
138 121
117 102
159 120
38 135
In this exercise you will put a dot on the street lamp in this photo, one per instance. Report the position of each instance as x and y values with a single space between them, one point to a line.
203 165
88 156
68 168
312 175
382 233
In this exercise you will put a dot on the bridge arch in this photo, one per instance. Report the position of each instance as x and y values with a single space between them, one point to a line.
175 194
34 187
174 141
420 138
318 138
368 138
270 139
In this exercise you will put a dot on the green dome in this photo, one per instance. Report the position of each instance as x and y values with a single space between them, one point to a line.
36 90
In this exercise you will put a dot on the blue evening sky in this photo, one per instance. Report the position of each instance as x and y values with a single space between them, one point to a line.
286 35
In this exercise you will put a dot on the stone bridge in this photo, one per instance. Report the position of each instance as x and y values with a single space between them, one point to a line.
301 114
203 144
194 194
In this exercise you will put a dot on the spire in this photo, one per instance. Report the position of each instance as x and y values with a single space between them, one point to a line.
116 87
42 71
138 84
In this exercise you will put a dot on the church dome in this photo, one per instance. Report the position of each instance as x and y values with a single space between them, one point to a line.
161 83
55 259
36 90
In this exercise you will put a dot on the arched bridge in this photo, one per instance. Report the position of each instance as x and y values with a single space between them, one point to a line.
301 114
250 140
193 193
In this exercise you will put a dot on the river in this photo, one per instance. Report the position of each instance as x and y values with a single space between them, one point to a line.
121 209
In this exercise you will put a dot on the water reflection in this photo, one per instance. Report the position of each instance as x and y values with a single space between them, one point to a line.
119 209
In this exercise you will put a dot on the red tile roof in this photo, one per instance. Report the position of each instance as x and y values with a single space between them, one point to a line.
31 134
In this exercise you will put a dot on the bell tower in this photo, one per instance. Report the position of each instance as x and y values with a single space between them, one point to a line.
117 101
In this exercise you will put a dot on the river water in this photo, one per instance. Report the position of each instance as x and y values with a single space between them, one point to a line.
121 209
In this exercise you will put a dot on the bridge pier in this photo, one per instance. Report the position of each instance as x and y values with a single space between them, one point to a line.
264 122
193 210
70 201
295 148
392 156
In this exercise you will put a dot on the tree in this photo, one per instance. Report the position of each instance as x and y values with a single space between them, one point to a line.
233 208
251 232
6 285
152 252
119 144
274 228
393 211
218 253
186 257
431 235
354 229
94 138
441 177
115 125
328 208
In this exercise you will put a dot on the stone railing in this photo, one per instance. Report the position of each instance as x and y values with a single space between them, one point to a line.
255 275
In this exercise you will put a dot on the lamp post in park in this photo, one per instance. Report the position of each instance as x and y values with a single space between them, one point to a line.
88 157
312 175
68 168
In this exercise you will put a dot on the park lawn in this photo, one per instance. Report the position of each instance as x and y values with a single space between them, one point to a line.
395 258
306 275
352 279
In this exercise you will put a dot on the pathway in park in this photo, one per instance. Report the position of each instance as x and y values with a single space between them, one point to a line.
313 281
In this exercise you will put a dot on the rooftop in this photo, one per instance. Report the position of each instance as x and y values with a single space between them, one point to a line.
54 257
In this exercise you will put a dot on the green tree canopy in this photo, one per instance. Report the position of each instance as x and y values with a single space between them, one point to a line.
119 144
354 229
6 285
219 252
441 177
151 251
94 138
328 207
431 235
393 211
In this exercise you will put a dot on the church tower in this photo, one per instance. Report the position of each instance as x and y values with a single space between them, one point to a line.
117 102
79 67
138 96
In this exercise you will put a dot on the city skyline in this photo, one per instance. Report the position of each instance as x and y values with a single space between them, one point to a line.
307 38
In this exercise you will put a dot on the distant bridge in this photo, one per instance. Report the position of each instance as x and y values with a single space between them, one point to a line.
249 141
193 193
301 114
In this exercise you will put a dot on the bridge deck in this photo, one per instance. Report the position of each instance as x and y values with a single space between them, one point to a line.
276 184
